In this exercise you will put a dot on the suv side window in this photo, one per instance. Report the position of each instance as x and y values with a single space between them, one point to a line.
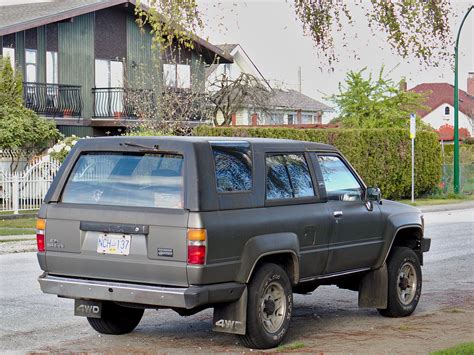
288 177
340 182
233 164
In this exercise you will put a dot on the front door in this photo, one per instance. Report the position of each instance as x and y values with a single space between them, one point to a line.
356 237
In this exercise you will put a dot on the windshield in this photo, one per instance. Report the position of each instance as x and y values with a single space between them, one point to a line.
144 180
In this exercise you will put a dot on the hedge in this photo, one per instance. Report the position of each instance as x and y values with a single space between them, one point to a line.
381 156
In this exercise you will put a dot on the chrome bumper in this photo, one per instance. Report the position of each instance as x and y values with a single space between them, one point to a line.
172 297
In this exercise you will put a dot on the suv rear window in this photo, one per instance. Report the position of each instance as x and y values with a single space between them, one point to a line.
143 180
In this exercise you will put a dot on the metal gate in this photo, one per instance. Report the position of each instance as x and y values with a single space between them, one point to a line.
26 189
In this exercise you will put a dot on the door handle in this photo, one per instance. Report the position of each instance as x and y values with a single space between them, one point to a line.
337 214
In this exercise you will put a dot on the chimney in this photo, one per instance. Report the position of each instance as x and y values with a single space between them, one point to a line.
403 85
470 83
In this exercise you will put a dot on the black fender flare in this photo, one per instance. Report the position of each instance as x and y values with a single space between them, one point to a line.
395 224
268 244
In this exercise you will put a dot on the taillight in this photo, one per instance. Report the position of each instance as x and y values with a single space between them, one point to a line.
197 246
40 228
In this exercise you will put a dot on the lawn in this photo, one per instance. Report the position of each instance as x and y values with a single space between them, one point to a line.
443 200
461 349
20 226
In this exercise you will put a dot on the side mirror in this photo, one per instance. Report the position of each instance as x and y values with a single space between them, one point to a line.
373 194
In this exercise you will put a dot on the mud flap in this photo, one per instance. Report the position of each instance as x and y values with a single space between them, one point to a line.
231 317
373 289
91 309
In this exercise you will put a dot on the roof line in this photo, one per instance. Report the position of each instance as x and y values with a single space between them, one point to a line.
251 61
61 16
83 9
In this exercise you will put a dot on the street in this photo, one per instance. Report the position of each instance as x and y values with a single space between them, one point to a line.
328 320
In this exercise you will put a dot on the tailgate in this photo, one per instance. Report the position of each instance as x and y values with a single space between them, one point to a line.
77 239
120 217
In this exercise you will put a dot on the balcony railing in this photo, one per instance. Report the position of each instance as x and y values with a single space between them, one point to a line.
55 100
116 102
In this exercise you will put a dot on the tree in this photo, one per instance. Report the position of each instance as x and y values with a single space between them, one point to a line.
367 103
412 27
20 128
229 95
162 109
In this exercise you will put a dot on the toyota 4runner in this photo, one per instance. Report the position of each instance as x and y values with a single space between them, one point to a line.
237 225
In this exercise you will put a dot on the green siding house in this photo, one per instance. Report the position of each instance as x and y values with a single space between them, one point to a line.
79 58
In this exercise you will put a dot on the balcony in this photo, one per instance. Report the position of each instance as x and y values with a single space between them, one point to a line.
117 103
53 100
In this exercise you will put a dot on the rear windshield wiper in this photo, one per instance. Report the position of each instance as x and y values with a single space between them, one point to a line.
136 145
144 148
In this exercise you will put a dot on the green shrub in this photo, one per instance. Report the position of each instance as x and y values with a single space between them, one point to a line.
381 156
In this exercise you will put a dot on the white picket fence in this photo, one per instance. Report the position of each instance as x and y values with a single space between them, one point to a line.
25 190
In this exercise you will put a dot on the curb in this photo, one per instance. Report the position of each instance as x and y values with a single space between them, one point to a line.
447 207
12 238
18 216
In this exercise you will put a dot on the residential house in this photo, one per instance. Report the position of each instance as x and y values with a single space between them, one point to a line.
440 103
80 58
286 107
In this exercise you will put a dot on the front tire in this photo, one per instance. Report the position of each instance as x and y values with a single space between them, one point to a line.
404 283
269 307
116 319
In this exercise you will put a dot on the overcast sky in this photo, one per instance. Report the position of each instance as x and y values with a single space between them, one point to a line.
272 36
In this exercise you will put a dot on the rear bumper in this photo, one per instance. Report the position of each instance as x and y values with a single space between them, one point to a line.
172 297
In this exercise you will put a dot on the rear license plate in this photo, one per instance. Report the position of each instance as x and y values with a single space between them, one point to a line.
113 243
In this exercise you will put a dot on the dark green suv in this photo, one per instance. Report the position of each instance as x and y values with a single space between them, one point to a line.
238 225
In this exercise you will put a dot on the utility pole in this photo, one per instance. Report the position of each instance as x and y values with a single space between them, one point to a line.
456 108
299 79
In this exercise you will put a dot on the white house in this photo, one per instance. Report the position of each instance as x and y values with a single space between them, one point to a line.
440 101
288 107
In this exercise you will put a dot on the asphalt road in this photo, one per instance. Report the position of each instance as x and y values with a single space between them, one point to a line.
326 321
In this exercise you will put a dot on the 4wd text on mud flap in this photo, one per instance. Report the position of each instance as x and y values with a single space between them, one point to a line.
228 324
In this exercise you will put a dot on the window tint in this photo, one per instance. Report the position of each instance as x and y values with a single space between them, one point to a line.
340 183
233 163
299 175
145 180
288 176
278 181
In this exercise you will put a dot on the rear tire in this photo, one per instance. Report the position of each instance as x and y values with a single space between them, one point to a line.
404 283
116 319
269 307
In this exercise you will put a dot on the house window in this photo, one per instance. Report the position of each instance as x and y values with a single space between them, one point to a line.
177 75
108 74
306 118
291 118
9 52
274 118
52 67
446 110
30 64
